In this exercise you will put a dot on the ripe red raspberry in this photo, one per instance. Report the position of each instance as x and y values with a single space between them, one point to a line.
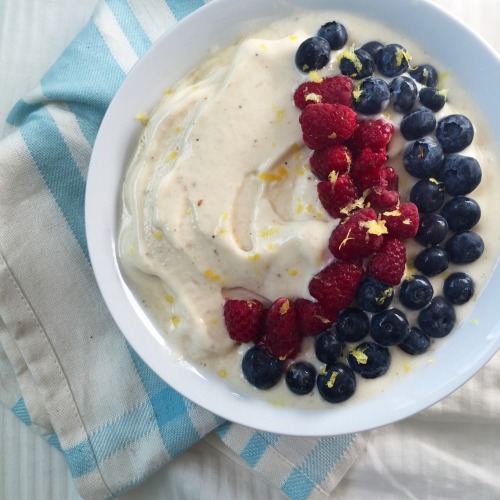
402 222
356 237
324 125
388 264
332 90
335 285
336 158
392 178
338 195
374 134
313 318
281 337
243 319
365 164
382 198
383 188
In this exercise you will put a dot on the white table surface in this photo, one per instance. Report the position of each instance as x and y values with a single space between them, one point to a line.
448 451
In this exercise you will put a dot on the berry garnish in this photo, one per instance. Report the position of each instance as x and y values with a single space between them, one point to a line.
423 157
428 195
393 60
364 167
465 247
373 48
301 378
312 317
416 342
328 346
403 93
455 133
373 134
313 53
458 288
337 383
353 324
335 89
438 318
432 261
374 296
244 319
260 368
417 124
357 64
460 174
388 263
432 230
339 195
432 98
372 96
336 159
335 33
370 360
461 213
403 221
389 327
425 74
416 293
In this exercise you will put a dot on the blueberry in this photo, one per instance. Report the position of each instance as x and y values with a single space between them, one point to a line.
260 368
455 133
416 293
372 97
369 359
432 230
328 346
461 213
418 123
358 64
335 33
425 74
301 377
313 53
393 60
465 247
458 288
432 261
416 342
389 327
460 174
373 48
428 195
404 93
438 318
373 295
337 384
423 157
353 325
432 98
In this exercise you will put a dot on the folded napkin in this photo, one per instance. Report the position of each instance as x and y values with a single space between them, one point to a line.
65 368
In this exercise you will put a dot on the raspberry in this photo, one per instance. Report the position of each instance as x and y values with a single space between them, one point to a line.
334 286
357 236
324 125
337 196
365 164
391 176
313 317
388 264
332 90
402 222
281 336
383 190
243 319
336 158
374 134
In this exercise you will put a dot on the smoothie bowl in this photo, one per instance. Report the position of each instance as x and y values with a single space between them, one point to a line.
295 227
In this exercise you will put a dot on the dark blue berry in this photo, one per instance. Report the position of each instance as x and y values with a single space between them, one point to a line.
460 174
423 157
373 48
389 327
373 295
438 318
328 346
428 195
418 123
335 33
432 230
416 293
353 324
301 377
458 288
260 368
313 53
465 247
425 74
362 66
372 97
461 213
416 342
432 261
432 98
404 93
393 60
455 133
337 384
370 360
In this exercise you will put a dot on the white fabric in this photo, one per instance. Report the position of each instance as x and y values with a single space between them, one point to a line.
451 450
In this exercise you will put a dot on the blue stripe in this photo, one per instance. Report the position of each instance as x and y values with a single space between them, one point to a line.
151 382
298 486
182 8
21 412
81 459
53 440
223 429
88 120
21 111
131 28
58 169
254 449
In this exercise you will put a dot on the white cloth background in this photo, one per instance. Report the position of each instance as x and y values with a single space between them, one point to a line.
451 450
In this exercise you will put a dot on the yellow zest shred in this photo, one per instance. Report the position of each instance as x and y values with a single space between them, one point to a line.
360 356
293 37
293 272
333 176
315 77
346 239
143 118
351 56
384 296
175 320
211 275
280 114
394 213
376 227
222 373
270 231
322 371
357 94
284 307
407 222
173 155
169 298
280 174
333 135
313 97
158 235
331 381
359 203
254 257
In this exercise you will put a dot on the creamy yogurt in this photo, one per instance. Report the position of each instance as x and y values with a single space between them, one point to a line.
219 200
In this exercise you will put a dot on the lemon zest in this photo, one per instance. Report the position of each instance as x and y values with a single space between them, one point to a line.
175 320
270 231
169 298
346 239
173 155
254 257
211 275
384 296
376 227
351 56
222 373
394 213
315 77
313 97
360 356
293 272
331 381
280 114
333 176
143 118
158 235
284 307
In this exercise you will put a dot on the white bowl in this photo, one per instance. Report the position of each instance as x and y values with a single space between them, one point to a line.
466 350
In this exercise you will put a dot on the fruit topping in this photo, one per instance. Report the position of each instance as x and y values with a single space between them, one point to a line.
425 74
416 342
423 157
244 319
455 133
389 262
337 383
402 221
353 325
432 98
460 174
328 346
373 48
338 195
403 93
313 53
312 317
369 359
335 89
335 33
357 63
458 288
374 296
260 368
432 230
461 213
336 159
417 124
389 327
416 292
438 318
301 378
373 134
428 195
372 96
432 261
465 247
393 60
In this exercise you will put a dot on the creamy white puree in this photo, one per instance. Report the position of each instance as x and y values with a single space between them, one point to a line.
219 200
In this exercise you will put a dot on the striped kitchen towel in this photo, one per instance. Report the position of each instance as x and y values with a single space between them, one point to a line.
65 368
